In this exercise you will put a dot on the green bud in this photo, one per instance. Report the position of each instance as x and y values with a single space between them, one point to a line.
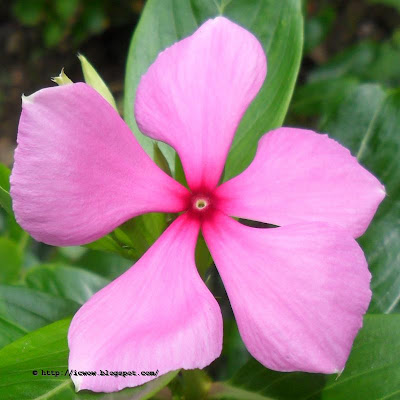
93 79
62 79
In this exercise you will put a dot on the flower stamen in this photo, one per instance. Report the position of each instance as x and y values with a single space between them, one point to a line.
201 203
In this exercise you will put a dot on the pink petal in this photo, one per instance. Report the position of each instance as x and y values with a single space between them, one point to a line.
159 315
298 292
79 172
196 92
298 176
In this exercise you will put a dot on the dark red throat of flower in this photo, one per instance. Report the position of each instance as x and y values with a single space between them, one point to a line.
200 205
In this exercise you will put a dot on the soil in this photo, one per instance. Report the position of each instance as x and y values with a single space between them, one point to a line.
27 66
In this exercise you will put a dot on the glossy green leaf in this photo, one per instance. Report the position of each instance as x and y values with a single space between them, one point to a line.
9 332
43 349
13 230
372 372
141 232
93 79
5 198
277 24
134 237
373 369
5 177
47 350
11 261
368 124
234 352
110 244
255 382
32 309
67 282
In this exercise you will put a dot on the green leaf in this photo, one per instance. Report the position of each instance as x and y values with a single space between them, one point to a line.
179 172
5 178
110 244
11 261
29 12
367 60
47 349
107 265
141 232
317 27
384 67
372 372
53 32
195 384
278 25
373 369
67 282
32 309
5 198
234 352
72 253
13 230
133 237
321 97
93 79
351 61
160 159
43 349
65 9
9 332
202 256
368 124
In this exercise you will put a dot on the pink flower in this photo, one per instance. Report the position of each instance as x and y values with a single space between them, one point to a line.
298 291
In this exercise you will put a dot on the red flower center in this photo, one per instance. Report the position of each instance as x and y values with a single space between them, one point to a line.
201 204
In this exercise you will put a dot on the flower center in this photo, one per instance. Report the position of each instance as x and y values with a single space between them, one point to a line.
201 203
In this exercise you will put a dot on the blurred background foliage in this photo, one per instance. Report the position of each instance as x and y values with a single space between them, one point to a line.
351 55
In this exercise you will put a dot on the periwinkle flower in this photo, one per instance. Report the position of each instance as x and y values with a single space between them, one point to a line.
298 291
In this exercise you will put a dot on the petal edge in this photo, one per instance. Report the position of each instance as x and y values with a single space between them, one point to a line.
298 292
159 315
79 172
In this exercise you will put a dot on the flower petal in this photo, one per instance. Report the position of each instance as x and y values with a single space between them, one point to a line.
159 315
79 172
196 92
298 176
298 292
